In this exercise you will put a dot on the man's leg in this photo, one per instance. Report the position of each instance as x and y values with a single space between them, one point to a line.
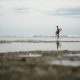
58 35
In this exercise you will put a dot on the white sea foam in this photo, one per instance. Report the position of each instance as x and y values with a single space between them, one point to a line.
31 55
73 36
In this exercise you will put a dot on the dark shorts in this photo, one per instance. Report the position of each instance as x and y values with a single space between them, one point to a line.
57 32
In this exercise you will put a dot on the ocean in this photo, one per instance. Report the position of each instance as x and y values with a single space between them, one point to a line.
38 43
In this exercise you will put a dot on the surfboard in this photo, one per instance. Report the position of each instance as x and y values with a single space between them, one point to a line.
60 29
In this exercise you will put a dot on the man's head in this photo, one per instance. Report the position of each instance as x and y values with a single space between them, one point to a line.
57 27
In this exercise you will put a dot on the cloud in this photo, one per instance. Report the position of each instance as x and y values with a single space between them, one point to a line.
30 11
68 11
22 9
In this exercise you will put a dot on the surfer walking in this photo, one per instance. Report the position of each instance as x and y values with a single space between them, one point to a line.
58 31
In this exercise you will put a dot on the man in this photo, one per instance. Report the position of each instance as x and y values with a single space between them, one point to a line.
58 31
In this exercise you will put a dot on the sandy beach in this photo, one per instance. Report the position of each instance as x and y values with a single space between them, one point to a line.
39 65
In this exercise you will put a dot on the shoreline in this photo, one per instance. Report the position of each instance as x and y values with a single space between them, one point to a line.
34 41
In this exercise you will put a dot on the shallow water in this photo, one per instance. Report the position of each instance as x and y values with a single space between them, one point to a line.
65 63
13 47
59 44
40 38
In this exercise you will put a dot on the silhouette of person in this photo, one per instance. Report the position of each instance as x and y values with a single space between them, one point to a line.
58 31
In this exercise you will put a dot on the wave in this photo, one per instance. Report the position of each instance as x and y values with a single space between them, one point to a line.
73 36
37 41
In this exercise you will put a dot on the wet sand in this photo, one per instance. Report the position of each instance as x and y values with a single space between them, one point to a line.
37 65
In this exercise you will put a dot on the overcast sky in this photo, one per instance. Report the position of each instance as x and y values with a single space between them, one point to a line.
39 17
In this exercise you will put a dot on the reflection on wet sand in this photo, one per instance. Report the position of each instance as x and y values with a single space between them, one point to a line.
58 44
